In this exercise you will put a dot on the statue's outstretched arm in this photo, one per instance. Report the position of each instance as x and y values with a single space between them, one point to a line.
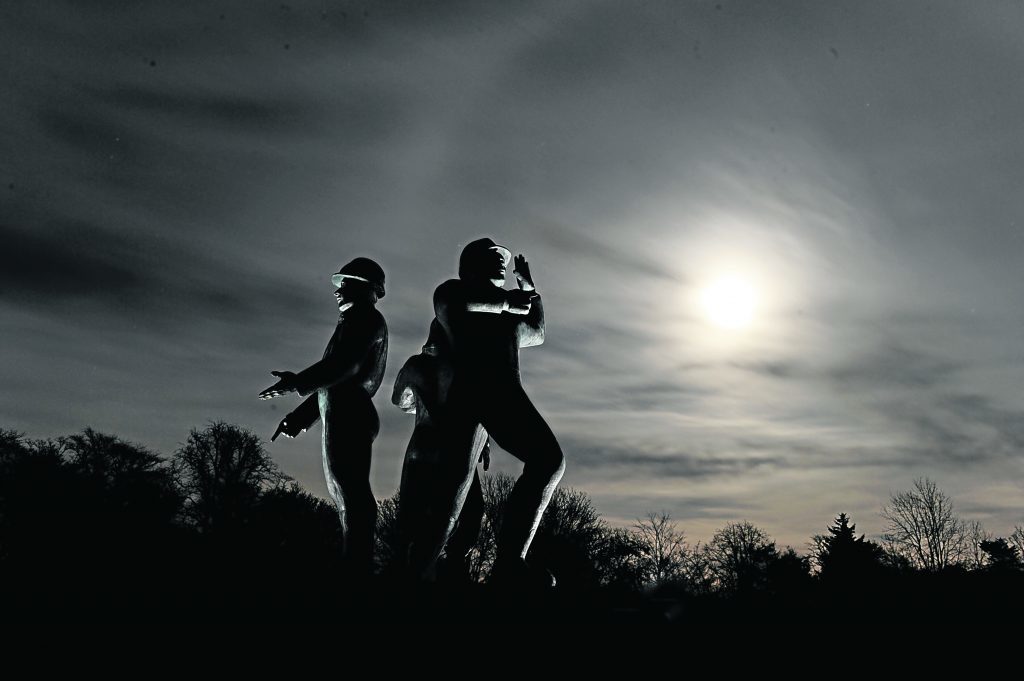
299 420
340 365
451 298
531 329
492 300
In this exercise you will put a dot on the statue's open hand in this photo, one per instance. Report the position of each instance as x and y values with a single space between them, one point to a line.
519 301
282 387
287 429
522 271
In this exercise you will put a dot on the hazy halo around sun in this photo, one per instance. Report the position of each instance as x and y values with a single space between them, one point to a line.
729 302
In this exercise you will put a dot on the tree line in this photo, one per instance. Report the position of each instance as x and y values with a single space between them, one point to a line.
91 518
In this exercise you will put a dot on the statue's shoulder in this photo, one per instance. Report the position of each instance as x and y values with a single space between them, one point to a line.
445 294
415 378
450 287
419 365
377 320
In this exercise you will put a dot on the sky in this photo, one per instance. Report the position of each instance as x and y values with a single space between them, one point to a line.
179 180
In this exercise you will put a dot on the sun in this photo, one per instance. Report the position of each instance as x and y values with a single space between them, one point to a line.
729 302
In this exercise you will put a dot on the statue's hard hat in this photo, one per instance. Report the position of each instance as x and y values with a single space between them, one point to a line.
362 269
486 244
474 248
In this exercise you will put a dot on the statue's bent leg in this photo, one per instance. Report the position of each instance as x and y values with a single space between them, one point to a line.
467 529
416 508
463 441
518 428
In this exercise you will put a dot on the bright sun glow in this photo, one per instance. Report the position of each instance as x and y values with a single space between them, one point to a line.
729 302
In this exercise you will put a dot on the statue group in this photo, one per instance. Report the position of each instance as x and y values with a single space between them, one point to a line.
464 388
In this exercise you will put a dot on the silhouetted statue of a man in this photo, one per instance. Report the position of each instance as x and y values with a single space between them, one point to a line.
344 382
421 388
485 326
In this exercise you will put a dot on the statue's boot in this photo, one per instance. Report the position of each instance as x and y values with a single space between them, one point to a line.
515 574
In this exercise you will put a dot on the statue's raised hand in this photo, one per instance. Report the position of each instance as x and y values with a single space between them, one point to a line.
282 387
522 272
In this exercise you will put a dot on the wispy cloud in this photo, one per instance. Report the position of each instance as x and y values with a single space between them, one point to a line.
178 181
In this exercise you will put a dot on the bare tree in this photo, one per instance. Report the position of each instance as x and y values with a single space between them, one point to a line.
1016 539
496 489
664 547
739 555
697 569
572 539
222 470
974 535
923 528
387 542
817 549
109 458
619 559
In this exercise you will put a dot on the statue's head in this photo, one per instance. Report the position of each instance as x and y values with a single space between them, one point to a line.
437 340
484 260
360 280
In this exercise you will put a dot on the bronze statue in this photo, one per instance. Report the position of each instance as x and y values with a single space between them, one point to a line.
344 382
485 326
421 388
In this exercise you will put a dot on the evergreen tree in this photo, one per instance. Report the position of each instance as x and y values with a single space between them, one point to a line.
844 556
1001 556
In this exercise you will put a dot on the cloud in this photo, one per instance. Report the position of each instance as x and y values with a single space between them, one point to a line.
892 363
69 260
683 508
780 369
135 277
1007 424
576 243
672 463
237 113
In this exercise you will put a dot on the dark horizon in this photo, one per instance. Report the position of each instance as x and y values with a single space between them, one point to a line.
178 184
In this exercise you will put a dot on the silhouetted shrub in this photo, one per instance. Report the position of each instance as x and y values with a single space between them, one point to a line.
221 471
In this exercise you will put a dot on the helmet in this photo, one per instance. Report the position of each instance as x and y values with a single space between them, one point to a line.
362 269
468 261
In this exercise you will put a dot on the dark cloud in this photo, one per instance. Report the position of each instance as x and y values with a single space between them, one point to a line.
69 260
116 274
669 464
893 363
239 114
878 366
807 455
578 244
952 432
668 395
971 509
775 369
1005 426
981 409
68 124
684 508
885 364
